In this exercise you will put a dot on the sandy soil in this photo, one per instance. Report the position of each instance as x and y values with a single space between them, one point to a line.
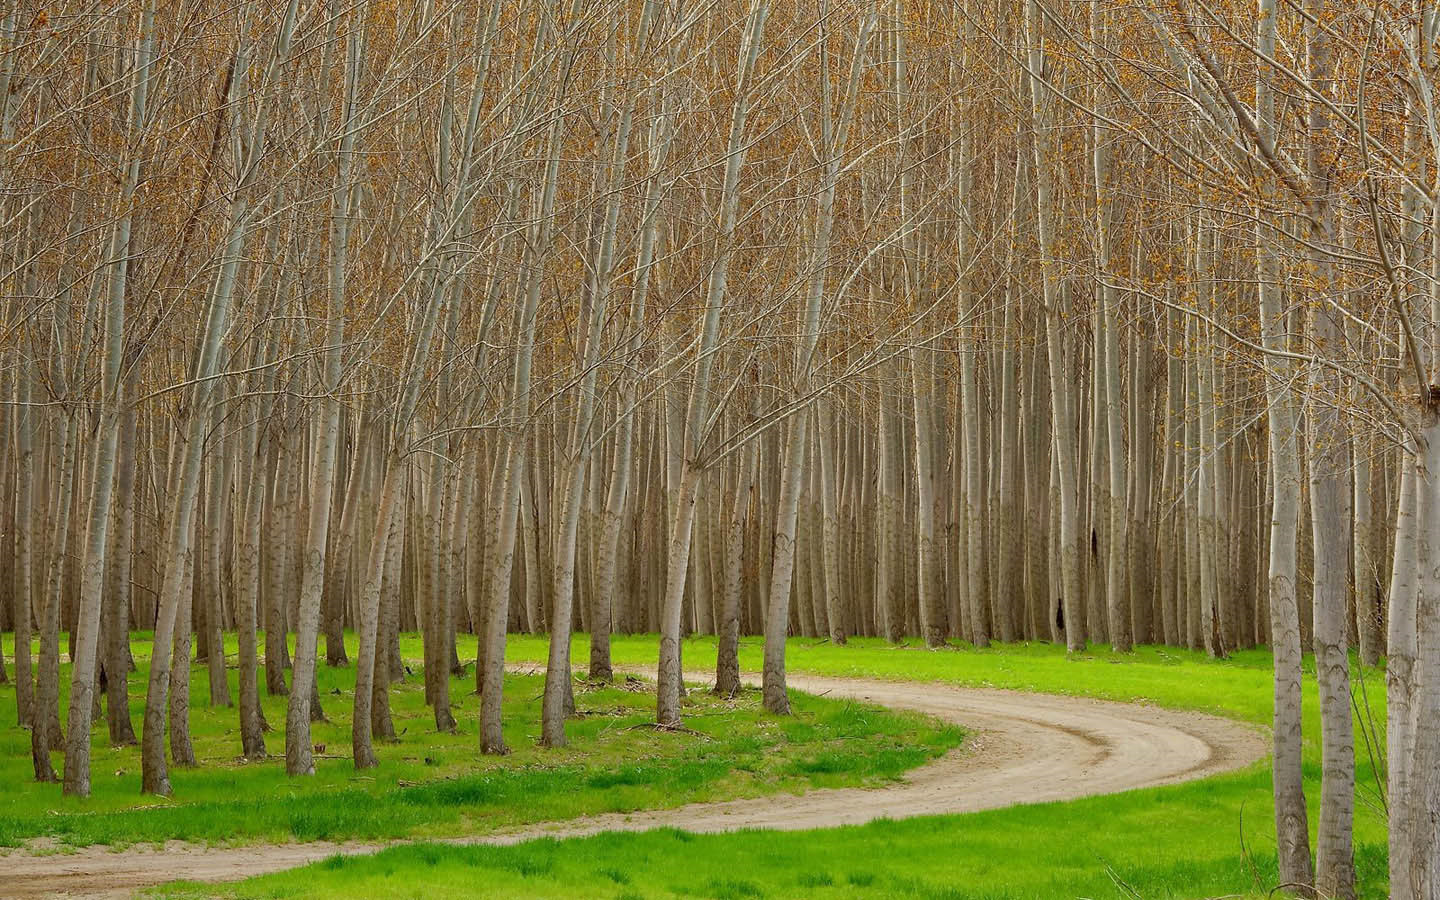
1022 748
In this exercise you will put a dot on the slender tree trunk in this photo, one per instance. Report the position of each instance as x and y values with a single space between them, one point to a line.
777 619
1368 587
1209 450
302 707
668 673
247 598
115 613
834 141
24 544
362 749
727 656
277 656
1066 447
931 607
889 585
214 620
182 750
837 593
1291 819
1411 523
154 774
1141 542
1330 505
1292 833
389 668
1418 828
1114 502
497 603
92 586
298 758
45 732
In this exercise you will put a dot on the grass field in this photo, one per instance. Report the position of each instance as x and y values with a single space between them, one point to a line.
430 784
1203 839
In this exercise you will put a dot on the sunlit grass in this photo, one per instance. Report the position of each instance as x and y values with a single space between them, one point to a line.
431 784
1201 839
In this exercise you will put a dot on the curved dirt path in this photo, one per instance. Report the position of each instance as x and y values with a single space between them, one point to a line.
1021 748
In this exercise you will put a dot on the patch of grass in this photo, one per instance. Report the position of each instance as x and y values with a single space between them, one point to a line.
1206 838
432 785
732 889
615 875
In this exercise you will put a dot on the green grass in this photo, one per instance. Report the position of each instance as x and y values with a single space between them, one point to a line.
1201 839
429 784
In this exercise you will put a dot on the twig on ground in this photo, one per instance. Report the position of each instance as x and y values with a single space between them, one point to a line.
673 729
1245 851
1120 883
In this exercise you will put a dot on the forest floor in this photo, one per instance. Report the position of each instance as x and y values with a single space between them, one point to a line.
1207 837
1022 749
437 785
430 784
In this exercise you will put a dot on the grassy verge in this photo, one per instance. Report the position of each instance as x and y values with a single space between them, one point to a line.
431 784
1202 839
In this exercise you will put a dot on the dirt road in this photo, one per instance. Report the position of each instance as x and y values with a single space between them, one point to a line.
1022 748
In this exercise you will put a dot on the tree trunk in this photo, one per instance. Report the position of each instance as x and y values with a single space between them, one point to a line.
1067 453
115 613
727 655
45 732
837 594
362 750
24 544
277 656
1330 518
668 674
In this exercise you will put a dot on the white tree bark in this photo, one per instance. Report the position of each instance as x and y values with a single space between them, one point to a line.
668 675
777 616
77 751
1114 503
154 773
298 755
492 738
1292 831
558 699
1330 504
1066 445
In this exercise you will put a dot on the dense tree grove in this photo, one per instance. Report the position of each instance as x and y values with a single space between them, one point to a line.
994 320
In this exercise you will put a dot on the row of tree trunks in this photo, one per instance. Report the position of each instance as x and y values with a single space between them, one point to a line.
724 320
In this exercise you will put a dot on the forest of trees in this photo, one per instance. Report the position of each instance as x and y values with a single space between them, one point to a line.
1083 322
